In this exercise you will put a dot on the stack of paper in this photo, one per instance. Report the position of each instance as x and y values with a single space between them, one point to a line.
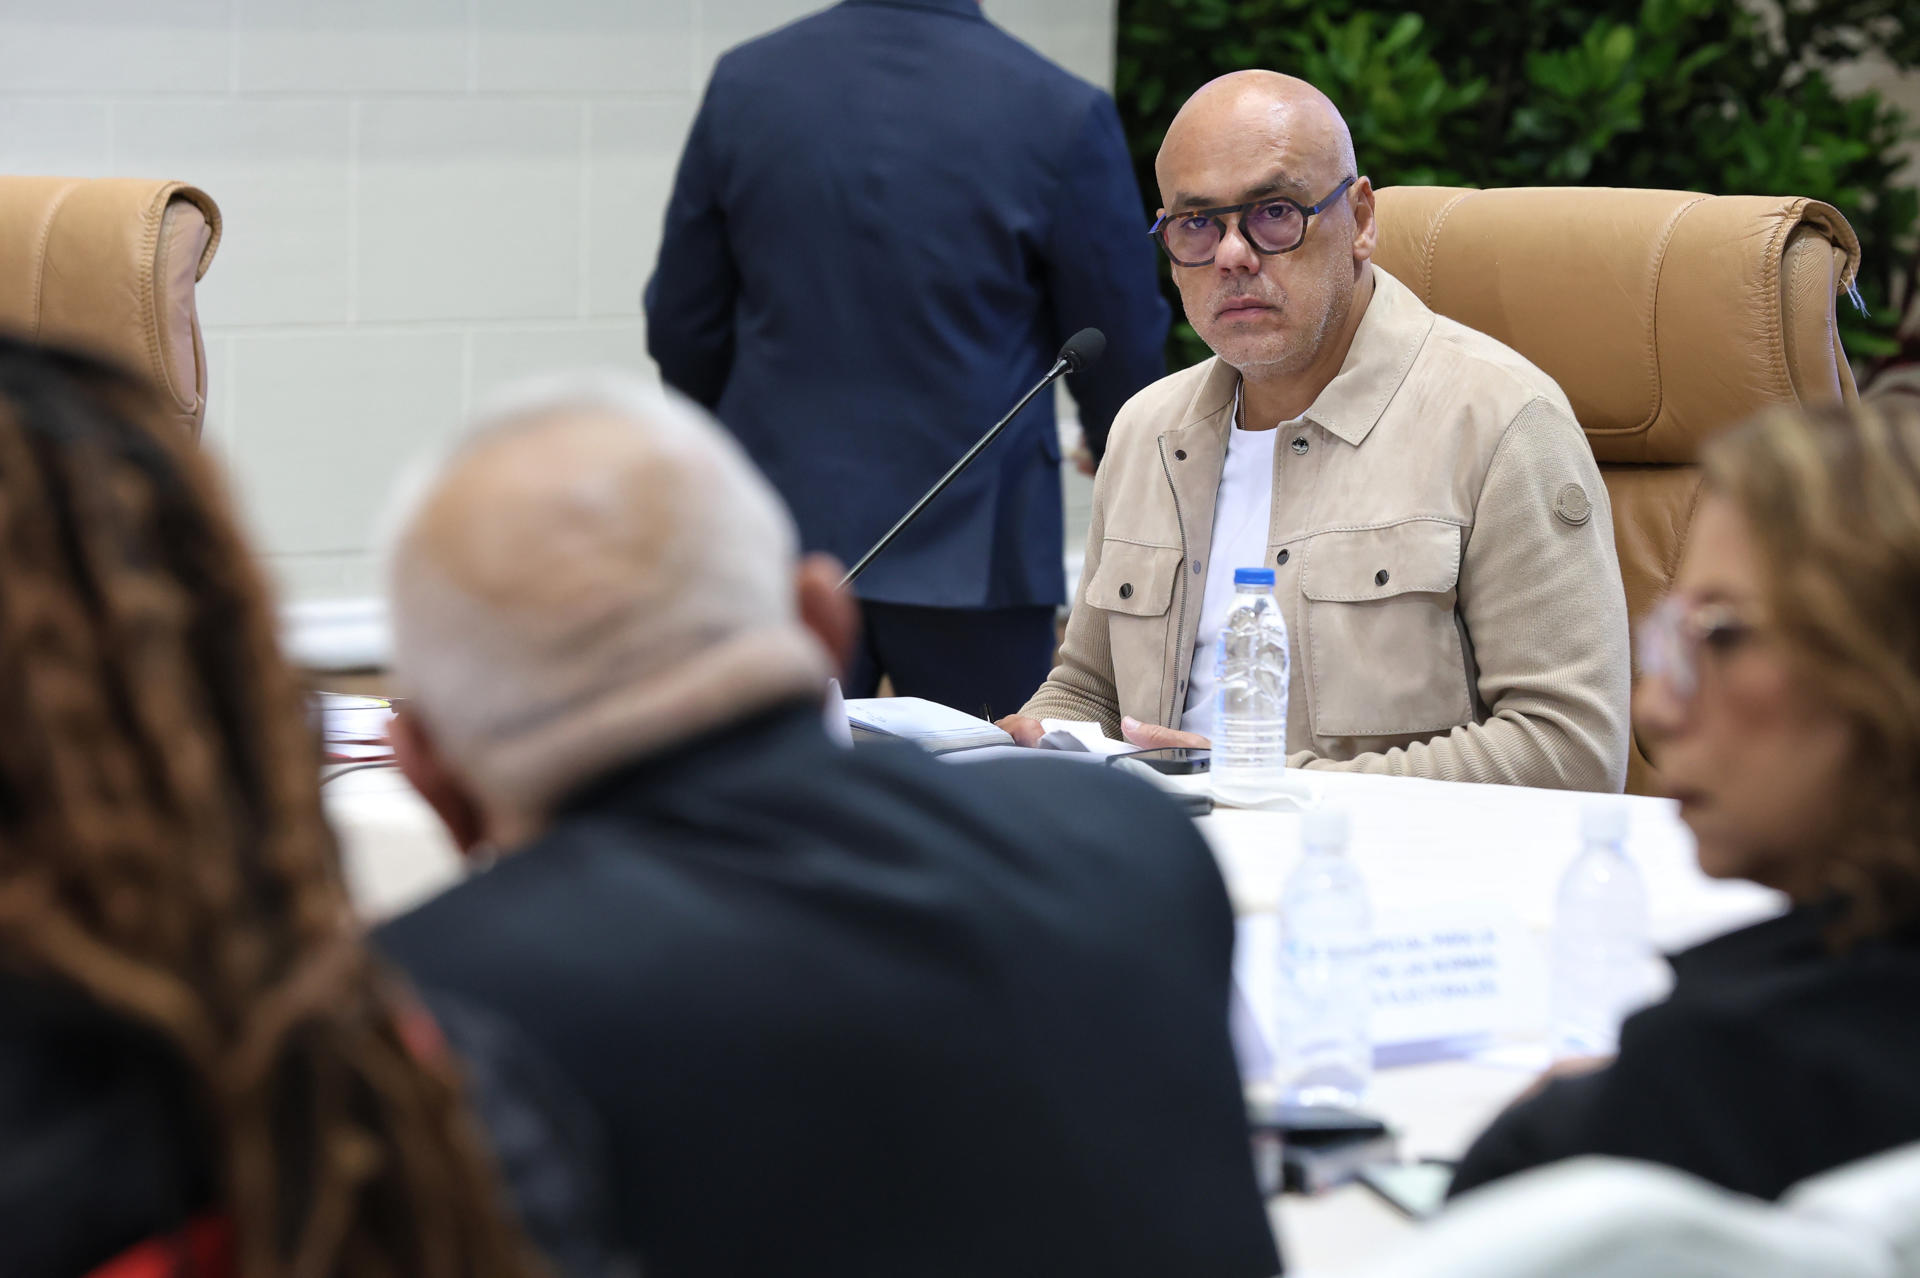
1076 735
927 724
352 729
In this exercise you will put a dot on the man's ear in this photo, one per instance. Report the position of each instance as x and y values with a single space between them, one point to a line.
1366 228
831 613
420 762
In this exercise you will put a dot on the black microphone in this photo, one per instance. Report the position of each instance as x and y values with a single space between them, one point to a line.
1082 351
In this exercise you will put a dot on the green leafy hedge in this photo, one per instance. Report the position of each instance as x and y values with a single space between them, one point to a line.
1686 94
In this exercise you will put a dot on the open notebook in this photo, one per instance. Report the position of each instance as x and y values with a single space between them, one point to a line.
942 729
927 724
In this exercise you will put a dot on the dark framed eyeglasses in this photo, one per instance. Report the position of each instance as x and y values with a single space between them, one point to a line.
1274 225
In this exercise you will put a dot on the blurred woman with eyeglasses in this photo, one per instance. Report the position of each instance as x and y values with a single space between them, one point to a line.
1780 689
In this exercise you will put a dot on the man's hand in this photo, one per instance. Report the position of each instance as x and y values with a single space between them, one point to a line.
1023 730
1082 457
1151 736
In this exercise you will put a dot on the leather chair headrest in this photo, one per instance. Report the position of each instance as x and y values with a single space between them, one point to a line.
1666 316
108 266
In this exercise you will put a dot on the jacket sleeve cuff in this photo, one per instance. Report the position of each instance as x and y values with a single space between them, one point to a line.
1056 702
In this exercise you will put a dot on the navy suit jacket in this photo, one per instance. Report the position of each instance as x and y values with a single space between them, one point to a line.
888 217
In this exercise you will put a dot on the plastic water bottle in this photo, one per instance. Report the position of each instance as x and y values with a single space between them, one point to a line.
1250 721
1600 948
1326 982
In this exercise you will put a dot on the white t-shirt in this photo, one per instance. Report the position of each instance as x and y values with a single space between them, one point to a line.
1242 512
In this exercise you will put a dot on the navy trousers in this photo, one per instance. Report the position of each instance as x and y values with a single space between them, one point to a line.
985 661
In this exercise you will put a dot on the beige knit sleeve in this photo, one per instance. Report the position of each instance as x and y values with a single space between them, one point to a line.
1546 617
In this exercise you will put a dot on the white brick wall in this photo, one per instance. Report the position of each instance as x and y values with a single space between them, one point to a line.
423 198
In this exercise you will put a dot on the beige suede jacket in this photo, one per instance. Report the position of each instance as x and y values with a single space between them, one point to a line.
1443 555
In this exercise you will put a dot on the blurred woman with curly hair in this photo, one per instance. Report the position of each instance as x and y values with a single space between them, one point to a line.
202 1070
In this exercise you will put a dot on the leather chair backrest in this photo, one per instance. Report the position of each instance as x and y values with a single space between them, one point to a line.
108 266
1666 316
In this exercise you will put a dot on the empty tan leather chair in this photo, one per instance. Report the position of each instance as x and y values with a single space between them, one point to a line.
1666 316
108 266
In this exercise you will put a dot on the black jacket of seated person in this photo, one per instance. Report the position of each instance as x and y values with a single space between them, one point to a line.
104 1145
866 1013
1773 1059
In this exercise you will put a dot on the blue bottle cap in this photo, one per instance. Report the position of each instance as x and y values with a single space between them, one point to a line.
1253 576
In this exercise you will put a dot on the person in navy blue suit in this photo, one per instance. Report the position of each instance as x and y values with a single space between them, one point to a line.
888 217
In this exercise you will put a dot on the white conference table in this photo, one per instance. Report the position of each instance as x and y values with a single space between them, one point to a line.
1421 844
1438 845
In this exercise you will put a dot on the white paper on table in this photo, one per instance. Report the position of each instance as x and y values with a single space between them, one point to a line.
1522 1058
926 722
1452 971
1090 736
1253 1012
835 712
1441 972
357 751
1022 754
349 717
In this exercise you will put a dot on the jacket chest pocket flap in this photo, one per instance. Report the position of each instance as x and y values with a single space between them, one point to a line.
1383 645
1134 580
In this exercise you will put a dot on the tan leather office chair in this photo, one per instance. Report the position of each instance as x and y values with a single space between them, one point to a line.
1666 316
108 266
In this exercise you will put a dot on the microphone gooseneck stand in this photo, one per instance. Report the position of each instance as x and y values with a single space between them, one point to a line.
1081 351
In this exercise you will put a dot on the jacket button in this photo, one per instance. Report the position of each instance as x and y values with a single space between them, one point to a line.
1380 578
1179 454
1282 557
1196 567
1300 445
1126 590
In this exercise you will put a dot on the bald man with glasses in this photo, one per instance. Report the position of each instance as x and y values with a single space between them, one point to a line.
1441 541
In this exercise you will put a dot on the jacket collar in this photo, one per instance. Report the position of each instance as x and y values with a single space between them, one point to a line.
957 8
1391 332
1788 940
1765 946
789 729
1390 335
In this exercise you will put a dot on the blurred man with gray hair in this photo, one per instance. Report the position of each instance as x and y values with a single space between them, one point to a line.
839 1012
